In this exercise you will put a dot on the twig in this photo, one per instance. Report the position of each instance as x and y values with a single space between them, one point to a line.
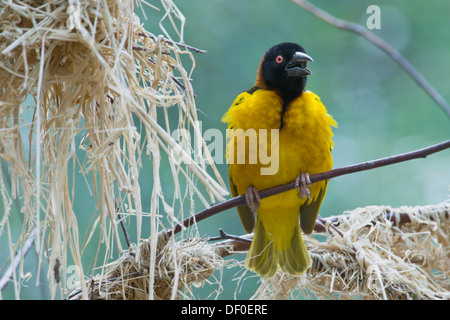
7 276
178 44
322 223
227 236
122 224
231 246
149 50
124 229
178 82
380 43
240 200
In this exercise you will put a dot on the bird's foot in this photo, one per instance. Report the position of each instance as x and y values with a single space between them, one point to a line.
252 198
301 185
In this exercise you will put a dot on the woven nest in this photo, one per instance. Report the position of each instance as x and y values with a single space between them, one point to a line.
179 265
84 87
376 252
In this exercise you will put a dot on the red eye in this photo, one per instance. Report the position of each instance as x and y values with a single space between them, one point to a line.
279 59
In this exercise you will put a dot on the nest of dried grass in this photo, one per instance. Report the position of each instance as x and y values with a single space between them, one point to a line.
77 80
375 252
179 265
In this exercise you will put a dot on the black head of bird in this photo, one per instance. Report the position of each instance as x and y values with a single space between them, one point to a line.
283 68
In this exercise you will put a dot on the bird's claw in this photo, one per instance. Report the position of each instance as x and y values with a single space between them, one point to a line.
301 185
252 198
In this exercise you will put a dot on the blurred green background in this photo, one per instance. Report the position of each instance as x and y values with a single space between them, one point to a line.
381 111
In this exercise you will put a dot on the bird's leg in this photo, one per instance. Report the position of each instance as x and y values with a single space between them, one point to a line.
301 185
252 198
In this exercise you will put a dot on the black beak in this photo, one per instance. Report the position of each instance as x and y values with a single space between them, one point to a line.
296 68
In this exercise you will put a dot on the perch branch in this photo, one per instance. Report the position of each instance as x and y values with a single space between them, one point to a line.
380 43
240 200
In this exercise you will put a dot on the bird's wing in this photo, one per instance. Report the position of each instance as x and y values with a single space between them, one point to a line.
246 215
310 211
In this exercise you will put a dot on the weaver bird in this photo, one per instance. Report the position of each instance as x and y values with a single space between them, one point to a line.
291 125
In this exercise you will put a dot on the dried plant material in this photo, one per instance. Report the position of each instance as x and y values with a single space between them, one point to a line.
375 255
85 88
179 265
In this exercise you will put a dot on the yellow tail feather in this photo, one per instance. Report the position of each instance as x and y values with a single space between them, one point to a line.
264 257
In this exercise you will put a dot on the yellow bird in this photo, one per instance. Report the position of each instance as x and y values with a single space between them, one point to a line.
279 132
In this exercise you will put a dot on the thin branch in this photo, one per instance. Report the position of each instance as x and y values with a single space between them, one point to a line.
231 246
139 48
380 43
240 200
178 44
227 236
122 224
18 257
174 79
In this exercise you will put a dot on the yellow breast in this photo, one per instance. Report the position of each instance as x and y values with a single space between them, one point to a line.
302 145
